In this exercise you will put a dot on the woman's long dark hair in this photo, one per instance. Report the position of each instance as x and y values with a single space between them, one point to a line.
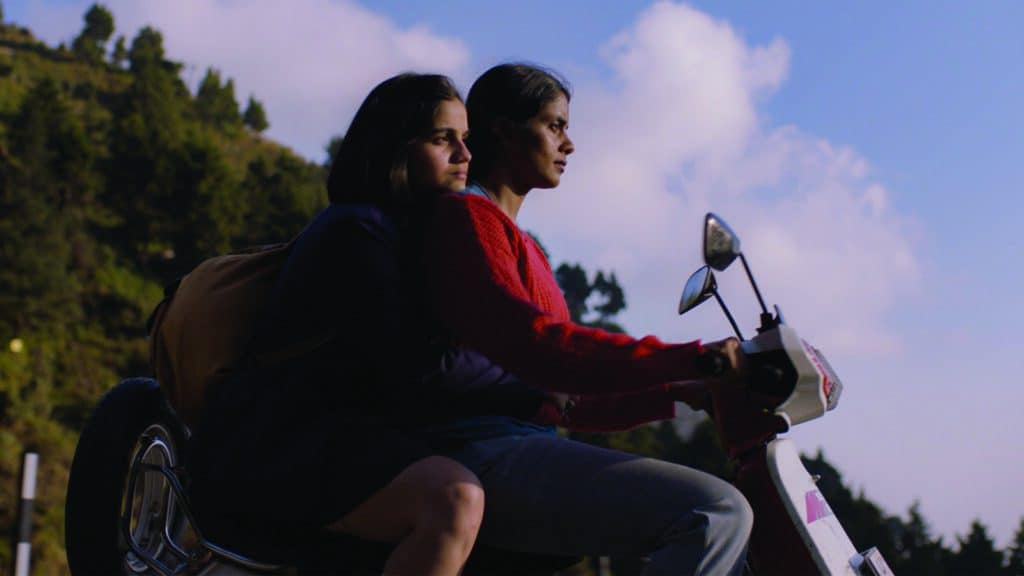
513 91
371 164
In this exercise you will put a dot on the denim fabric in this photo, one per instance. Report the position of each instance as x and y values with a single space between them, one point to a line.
552 495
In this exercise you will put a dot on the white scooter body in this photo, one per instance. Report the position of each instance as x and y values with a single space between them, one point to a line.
816 390
790 382
816 382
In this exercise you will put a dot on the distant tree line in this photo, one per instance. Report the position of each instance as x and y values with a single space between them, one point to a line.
907 543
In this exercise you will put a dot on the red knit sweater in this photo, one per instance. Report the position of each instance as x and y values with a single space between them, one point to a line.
495 292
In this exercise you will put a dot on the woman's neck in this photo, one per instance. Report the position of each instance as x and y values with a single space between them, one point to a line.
504 194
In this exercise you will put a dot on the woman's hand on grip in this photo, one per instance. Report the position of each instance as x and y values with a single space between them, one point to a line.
724 364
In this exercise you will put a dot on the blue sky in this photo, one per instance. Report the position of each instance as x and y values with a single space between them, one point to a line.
868 153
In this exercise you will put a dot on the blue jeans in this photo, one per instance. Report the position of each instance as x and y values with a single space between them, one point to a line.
550 495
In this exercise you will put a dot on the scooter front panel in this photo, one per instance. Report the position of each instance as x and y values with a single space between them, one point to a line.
819 528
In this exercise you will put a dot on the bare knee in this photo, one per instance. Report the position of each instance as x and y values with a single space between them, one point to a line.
435 496
454 502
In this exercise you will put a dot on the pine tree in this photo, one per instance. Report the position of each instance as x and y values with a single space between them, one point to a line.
282 195
48 151
215 102
614 301
99 25
572 279
120 53
204 214
615 298
977 554
147 50
1015 553
146 139
332 150
918 552
255 117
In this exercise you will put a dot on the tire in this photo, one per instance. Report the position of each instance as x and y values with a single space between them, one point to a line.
99 470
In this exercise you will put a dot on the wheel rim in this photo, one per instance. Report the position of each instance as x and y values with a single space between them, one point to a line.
154 519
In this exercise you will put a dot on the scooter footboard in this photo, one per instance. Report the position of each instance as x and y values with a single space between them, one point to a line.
795 530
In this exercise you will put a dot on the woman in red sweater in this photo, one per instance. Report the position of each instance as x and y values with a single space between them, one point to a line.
495 293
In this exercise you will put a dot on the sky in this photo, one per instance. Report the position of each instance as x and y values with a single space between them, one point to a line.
868 155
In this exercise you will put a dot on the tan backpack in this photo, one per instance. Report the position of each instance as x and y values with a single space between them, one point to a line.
199 332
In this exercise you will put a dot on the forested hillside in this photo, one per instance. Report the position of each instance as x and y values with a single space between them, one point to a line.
115 179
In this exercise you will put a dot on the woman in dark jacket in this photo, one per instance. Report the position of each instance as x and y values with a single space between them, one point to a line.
289 451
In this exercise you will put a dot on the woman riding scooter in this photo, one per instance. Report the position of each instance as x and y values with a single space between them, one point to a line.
494 293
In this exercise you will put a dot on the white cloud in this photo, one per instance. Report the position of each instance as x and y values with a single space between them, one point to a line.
309 61
676 134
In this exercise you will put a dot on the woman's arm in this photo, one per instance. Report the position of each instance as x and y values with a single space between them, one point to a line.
478 284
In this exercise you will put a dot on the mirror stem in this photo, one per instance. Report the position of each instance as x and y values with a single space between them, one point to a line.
728 315
764 309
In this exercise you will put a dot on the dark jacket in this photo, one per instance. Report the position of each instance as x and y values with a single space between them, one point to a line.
352 294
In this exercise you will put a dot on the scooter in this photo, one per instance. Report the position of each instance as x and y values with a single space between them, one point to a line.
127 508
795 531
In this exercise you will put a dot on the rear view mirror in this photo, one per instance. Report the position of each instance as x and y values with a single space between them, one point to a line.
699 287
721 245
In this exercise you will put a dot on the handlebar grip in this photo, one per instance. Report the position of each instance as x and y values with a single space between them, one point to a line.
711 363
767 376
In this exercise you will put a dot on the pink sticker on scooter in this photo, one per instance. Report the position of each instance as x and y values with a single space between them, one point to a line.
817 507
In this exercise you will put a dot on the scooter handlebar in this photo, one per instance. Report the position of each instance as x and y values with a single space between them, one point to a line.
711 363
767 377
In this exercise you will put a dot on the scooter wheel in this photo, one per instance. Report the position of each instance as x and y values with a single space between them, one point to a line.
99 470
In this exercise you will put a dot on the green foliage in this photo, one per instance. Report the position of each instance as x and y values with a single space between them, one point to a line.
99 23
282 194
614 297
42 180
918 552
578 291
120 54
1015 553
216 104
111 185
147 50
976 553
91 42
572 279
332 150
255 117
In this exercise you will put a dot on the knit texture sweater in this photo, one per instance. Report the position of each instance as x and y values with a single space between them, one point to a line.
495 293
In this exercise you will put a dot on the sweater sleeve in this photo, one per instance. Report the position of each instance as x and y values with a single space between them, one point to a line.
481 297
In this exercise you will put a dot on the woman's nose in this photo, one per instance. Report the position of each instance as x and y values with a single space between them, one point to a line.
567 146
461 153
